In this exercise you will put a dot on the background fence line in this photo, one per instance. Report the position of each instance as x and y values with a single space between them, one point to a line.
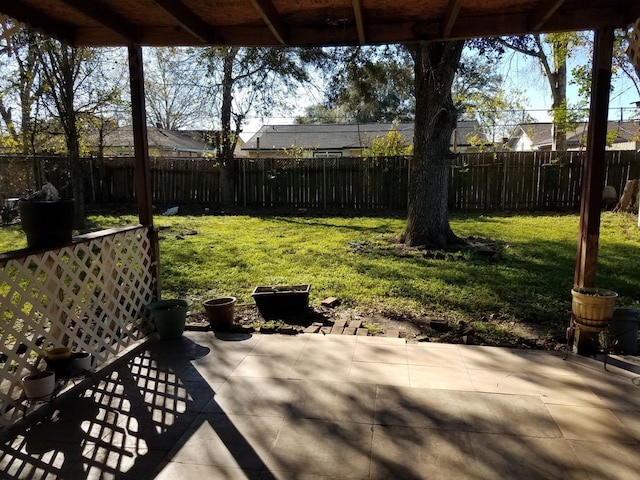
510 181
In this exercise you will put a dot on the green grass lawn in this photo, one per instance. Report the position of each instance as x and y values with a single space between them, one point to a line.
359 261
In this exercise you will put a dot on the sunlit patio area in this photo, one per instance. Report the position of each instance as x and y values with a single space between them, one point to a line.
332 406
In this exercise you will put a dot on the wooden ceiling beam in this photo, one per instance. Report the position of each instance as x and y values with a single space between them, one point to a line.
38 21
542 12
450 17
272 18
191 22
102 14
358 12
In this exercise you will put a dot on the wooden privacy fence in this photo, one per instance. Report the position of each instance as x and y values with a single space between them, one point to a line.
514 181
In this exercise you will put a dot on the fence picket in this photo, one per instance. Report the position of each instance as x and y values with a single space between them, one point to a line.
511 181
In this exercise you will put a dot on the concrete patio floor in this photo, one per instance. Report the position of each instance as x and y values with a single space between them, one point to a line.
328 406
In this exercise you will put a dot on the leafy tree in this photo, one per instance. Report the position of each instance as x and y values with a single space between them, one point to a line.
479 95
373 84
175 94
22 86
319 114
76 89
552 51
390 145
258 79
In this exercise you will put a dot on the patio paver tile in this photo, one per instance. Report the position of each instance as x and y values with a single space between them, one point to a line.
379 373
321 447
254 396
424 376
266 367
607 460
335 401
495 381
507 414
383 353
280 345
230 441
518 457
591 424
566 390
425 354
416 453
184 471
419 407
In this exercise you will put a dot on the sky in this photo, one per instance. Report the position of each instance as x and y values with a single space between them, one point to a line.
519 72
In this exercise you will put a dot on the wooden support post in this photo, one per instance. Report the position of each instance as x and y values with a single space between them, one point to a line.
593 174
141 157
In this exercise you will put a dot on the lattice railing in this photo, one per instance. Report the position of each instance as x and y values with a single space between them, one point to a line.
90 296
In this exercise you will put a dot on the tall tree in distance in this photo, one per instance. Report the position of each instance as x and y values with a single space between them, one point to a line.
245 80
21 85
552 51
71 75
175 95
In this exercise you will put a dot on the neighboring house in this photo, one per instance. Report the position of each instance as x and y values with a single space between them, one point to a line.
343 140
162 142
537 136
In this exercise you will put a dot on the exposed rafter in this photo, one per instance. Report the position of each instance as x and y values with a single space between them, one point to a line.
189 20
359 15
102 14
542 12
450 17
38 21
272 18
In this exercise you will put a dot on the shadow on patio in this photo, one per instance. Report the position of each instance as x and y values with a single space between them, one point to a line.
314 406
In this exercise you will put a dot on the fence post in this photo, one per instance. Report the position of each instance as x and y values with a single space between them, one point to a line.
324 183
244 182
503 195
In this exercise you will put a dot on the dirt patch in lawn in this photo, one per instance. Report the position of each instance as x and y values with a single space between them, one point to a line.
379 323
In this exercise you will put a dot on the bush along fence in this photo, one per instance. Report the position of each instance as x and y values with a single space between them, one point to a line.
509 181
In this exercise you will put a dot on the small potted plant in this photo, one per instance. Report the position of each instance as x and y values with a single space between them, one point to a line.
46 219
169 316
39 385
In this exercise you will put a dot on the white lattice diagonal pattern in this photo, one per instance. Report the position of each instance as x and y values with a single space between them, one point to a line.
90 296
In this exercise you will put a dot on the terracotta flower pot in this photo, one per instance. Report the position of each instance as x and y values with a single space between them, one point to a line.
220 313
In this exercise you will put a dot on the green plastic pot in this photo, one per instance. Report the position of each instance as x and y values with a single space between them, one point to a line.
169 316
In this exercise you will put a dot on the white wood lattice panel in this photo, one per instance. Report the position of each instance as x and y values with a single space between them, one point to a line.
90 296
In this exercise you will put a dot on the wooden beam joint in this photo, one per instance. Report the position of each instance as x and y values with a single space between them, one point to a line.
450 17
191 22
272 18
542 12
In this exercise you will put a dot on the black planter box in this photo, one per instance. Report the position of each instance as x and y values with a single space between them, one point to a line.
282 301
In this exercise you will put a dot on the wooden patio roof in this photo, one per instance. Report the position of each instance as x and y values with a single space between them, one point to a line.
307 22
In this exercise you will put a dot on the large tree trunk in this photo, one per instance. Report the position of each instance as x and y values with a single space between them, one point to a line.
428 212
227 144
558 83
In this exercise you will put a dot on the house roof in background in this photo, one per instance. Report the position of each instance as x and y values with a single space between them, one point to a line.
337 136
541 133
159 138
308 22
